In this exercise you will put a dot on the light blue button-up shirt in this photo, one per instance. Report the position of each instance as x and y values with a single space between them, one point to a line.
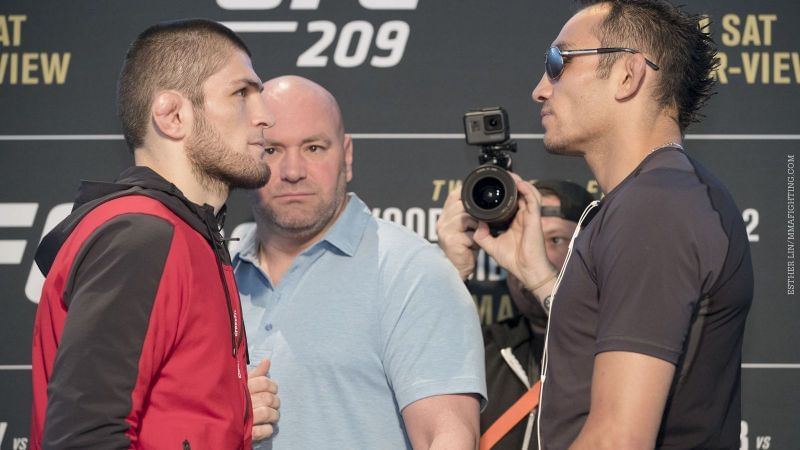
366 321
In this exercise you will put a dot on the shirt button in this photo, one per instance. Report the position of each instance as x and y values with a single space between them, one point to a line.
268 327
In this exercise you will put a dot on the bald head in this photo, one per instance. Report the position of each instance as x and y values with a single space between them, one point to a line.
293 92
311 159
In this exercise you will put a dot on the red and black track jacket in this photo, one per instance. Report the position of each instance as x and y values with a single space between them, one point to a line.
138 340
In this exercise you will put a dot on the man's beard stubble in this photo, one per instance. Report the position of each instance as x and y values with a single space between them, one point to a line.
216 165
307 227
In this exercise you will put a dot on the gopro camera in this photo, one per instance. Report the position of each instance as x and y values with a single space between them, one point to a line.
486 126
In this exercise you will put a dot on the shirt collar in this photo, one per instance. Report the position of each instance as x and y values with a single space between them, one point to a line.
349 228
248 248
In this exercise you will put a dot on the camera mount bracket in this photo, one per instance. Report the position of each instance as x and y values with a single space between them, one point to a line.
498 154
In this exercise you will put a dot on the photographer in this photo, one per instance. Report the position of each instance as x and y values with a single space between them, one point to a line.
556 206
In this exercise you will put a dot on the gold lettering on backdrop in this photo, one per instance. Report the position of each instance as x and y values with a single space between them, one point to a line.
705 23
731 36
485 307
28 68
750 34
780 64
4 57
505 310
769 68
11 36
452 185
439 193
721 72
55 67
752 31
29 65
8 65
32 68
757 30
750 62
5 40
437 189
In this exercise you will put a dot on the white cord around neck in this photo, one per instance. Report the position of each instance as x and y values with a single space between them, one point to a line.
543 376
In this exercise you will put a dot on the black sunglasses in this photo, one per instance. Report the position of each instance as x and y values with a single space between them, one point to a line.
554 58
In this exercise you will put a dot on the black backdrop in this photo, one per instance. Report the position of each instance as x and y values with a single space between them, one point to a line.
404 72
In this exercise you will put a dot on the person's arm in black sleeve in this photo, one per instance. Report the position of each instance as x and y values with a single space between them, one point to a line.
110 295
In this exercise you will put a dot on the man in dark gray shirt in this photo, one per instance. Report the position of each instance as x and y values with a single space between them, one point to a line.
647 317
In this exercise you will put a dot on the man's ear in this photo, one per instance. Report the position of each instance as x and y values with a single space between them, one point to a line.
171 115
632 76
348 156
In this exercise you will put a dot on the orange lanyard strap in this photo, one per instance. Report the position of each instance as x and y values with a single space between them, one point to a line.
518 411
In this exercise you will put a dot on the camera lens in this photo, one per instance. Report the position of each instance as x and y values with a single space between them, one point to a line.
490 195
493 123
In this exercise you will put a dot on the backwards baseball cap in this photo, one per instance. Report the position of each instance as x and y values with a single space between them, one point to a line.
574 199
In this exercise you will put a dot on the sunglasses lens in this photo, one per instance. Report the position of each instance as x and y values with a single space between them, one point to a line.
553 62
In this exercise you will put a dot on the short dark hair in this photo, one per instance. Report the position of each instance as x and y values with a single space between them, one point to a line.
177 55
670 37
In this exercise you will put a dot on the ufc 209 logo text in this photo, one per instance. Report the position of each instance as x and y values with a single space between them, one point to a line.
354 44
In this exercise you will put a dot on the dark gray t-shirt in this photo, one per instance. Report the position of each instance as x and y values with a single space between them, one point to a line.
663 269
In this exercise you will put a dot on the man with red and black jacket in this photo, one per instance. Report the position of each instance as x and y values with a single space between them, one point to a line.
138 340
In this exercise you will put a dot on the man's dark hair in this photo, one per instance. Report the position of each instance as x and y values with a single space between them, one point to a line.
177 55
670 37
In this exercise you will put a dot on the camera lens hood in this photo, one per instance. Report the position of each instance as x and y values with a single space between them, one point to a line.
489 194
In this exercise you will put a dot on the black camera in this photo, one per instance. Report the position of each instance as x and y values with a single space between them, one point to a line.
489 193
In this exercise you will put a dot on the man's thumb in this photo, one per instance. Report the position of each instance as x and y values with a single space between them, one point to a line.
260 370
482 236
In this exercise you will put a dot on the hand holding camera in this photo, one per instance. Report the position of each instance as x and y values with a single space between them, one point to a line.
492 200
455 229
520 249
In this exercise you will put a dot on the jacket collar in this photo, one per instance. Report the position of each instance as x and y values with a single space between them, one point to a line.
136 180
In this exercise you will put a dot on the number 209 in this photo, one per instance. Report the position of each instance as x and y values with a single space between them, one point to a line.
391 37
